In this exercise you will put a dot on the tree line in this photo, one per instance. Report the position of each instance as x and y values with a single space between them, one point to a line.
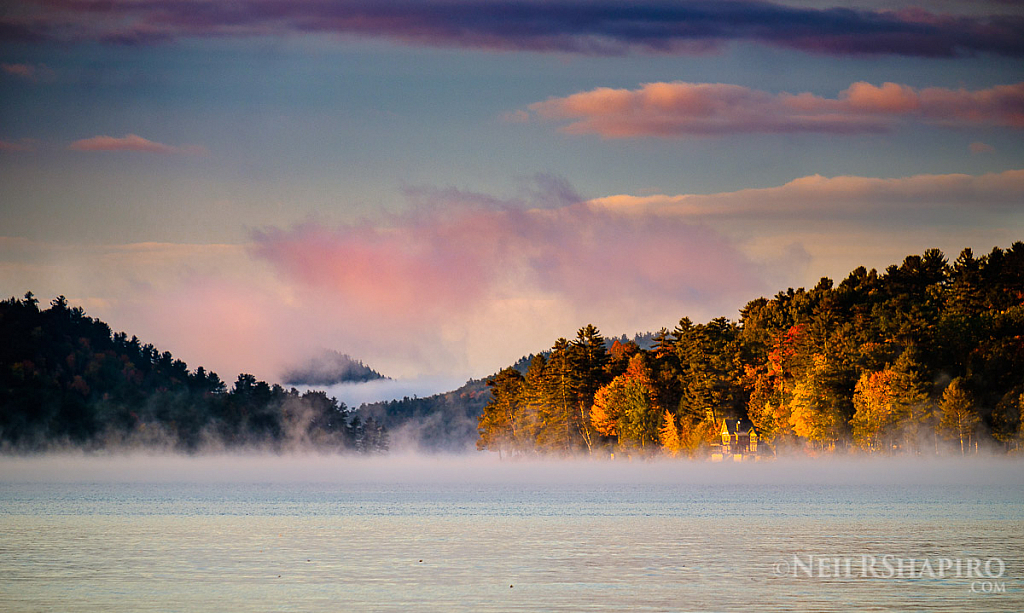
925 357
67 380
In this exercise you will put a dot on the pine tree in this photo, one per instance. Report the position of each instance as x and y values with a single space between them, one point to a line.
500 418
560 432
589 359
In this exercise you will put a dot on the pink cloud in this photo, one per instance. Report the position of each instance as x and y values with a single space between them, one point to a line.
681 109
446 266
467 283
979 147
890 98
25 144
437 270
131 142
463 283
226 324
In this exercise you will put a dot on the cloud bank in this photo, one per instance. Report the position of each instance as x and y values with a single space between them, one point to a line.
599 27
481 263
679 109
448 265
460 285
463 284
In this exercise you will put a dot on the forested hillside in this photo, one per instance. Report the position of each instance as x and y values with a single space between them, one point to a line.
925 357
440 423
67 380
448 422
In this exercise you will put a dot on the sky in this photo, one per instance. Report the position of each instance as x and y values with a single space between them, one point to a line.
438 187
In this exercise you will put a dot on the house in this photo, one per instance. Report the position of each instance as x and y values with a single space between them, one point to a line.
738 441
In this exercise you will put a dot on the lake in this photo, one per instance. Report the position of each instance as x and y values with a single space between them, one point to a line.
311 533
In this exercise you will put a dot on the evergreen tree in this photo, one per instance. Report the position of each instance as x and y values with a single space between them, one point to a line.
501 416
560 431
589 359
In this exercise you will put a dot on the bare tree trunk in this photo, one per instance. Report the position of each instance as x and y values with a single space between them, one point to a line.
584 430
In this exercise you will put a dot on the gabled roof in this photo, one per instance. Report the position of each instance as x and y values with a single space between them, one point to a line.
737 427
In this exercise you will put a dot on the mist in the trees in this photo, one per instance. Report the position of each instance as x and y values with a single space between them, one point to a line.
908 361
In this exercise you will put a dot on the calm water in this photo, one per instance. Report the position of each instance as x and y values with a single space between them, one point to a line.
567 537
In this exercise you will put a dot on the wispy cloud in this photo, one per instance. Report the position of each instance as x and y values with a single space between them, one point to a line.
25 144
131 142
31 72
598 27
679 109
819 197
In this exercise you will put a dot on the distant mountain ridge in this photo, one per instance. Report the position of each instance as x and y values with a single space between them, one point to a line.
331 368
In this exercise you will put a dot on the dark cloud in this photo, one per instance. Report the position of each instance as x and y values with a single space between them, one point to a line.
601 27
17 31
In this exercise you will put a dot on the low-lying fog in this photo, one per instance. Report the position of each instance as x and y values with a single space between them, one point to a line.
383 390
488 469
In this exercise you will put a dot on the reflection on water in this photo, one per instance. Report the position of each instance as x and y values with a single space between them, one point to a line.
111 546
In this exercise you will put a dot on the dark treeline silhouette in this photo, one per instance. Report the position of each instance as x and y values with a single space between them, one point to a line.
67 380
926 357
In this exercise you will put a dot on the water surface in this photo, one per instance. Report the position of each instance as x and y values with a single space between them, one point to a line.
559 537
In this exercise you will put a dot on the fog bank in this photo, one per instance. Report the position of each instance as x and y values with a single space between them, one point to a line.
489 470
384 390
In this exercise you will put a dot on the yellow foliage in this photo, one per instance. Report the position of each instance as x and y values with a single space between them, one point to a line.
887 405
604 415
668 435
627 407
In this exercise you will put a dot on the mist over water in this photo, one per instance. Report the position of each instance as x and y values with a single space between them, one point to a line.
383 390
487 468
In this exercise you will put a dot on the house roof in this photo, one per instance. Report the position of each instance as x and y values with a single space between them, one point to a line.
736 427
